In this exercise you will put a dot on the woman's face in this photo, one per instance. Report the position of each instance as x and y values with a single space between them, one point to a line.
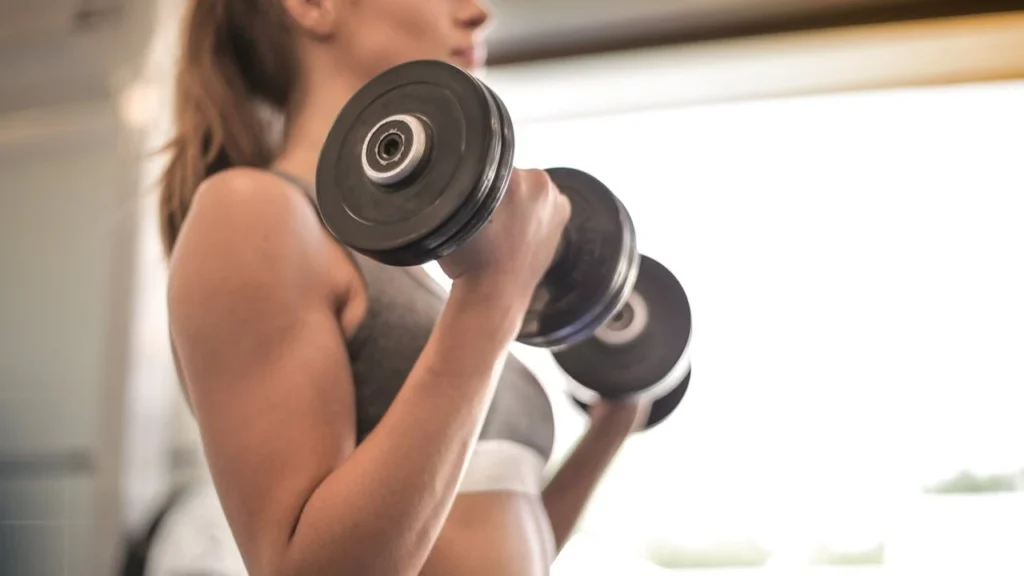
373 35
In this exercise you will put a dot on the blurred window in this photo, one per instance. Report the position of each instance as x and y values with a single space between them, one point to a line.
856 267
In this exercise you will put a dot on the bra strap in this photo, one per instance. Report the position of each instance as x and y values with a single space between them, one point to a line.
297 182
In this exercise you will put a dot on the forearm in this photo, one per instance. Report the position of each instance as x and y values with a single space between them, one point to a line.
567 494
381 512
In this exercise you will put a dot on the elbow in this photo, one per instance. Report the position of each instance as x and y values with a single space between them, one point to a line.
285 565
275 563
357 542
280 559
333 558
313 569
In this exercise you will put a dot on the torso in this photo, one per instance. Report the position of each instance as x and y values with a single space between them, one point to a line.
498 524
403 304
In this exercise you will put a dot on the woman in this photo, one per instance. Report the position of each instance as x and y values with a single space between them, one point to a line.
354 420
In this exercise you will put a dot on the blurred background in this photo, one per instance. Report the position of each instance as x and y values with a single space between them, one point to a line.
839 186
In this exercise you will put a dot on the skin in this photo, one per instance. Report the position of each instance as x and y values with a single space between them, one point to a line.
261 303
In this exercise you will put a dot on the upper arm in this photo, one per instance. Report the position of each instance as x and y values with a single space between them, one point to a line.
254 321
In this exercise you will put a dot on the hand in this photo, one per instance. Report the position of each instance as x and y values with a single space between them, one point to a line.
626 415
515 249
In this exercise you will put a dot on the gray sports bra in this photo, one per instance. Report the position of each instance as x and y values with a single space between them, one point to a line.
403 308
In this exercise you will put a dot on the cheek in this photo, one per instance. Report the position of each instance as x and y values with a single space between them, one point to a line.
424 26
391 32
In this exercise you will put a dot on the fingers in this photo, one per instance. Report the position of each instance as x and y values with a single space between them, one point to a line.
533 180
537 184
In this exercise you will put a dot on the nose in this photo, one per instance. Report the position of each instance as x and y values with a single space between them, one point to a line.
473 15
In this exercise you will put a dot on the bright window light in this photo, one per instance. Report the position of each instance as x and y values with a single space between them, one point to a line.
856 267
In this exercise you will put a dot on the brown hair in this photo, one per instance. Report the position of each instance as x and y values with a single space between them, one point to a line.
234 53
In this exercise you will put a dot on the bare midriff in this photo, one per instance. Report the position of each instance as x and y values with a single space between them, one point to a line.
494 533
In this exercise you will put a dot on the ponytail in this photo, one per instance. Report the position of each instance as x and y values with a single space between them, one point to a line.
234 53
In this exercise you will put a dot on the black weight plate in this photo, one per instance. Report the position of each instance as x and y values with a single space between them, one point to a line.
623 369
664 406
661 408
476 213
406 223
595 271
498 182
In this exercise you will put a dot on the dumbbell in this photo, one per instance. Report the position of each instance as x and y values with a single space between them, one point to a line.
643 350
416 163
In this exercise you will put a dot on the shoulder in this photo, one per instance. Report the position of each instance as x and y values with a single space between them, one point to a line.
245 213
251 196
249 228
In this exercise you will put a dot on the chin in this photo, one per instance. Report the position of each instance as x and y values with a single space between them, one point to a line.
469 61
463 63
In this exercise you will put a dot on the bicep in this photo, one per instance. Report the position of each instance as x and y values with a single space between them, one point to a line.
268 375
275 429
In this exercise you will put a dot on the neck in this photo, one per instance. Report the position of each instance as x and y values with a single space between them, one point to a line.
310 119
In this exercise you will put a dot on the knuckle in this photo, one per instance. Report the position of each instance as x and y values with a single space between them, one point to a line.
544 183
538 179
517 181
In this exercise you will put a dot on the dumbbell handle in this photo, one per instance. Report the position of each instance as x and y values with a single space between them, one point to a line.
564 247
561 251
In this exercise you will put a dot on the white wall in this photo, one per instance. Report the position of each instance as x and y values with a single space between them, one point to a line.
64 268
67 192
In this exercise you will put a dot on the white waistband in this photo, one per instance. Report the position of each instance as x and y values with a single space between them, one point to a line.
503 466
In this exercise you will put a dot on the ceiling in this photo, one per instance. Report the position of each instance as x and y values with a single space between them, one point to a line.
535 29
58 51
55 53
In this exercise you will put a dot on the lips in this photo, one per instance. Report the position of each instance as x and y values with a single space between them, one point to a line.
469 56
